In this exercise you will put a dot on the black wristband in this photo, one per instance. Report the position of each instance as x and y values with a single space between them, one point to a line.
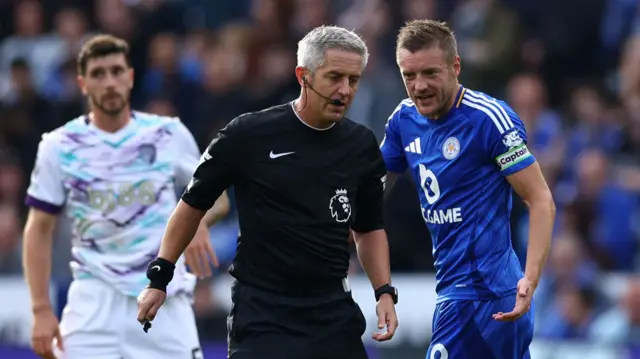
387 289
160 273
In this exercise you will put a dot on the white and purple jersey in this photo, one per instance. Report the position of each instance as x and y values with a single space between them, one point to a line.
119 190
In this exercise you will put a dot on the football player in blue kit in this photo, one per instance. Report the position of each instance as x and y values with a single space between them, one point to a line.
466 152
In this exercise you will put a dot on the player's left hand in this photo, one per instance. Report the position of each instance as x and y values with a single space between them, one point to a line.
387 317
200 252
523 302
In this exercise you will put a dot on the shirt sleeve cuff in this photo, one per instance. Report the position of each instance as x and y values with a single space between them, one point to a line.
42 205
194 202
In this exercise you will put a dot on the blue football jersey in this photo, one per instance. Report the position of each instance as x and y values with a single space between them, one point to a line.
459 163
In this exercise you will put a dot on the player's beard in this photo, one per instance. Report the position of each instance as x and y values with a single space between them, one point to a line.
119 103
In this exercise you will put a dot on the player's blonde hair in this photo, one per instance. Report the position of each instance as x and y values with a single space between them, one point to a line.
418 35
312 48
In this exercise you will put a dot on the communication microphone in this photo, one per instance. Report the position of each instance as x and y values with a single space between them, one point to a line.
331 101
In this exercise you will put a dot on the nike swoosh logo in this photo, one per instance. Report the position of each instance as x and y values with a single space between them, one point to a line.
276 155
156 267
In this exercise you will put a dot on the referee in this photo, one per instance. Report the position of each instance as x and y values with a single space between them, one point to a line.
305 177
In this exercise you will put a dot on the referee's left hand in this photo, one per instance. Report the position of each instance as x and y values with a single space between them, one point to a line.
149 301
200 252
387 317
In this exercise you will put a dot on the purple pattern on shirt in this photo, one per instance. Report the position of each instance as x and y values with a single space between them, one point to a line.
138 267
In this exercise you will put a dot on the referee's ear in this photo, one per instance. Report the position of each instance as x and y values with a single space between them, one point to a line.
301 72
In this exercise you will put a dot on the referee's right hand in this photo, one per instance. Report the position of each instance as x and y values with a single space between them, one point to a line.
149 301
45 330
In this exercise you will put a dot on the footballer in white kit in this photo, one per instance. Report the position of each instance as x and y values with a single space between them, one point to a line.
119 189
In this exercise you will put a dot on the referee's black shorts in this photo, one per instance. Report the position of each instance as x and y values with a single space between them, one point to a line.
266 325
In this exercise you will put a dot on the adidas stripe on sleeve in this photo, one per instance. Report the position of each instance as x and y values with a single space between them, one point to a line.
505 137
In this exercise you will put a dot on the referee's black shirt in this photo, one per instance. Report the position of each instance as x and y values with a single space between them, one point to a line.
298 191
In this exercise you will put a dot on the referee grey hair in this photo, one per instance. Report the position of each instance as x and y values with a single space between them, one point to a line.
312 48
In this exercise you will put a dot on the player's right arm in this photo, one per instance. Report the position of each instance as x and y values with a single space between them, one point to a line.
45 197
392 150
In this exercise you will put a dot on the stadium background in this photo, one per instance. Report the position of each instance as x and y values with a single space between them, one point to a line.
570 68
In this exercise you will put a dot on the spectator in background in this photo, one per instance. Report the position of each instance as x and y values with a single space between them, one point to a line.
527 95
593 128
605 212
381 87
10 259
222 96
569 264
27 115
621 324
488 37
163 73
575 311
28 42
270 20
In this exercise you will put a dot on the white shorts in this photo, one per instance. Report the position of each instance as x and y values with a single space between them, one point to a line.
99 322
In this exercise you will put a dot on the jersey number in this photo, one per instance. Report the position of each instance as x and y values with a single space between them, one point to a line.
429 184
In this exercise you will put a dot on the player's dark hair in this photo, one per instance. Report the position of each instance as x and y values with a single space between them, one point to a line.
418 35
101 46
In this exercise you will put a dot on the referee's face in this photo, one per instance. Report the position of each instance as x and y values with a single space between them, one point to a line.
431 79
107 83
338 79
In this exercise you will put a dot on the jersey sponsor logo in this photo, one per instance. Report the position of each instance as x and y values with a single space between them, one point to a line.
513 157
431 189
442 216
414 146
107 200
340 206
512 139
451 148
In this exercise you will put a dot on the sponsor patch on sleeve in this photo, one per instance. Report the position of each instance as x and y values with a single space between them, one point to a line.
512 157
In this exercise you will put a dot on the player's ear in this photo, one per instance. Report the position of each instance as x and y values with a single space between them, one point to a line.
131 78
82 84
456 65
301 72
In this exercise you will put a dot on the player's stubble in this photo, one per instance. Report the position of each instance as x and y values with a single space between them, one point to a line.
111 104
447 94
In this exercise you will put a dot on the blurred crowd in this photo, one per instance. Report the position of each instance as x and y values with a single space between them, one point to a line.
570 69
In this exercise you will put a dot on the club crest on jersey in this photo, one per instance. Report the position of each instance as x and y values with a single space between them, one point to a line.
512 139
147 153
451 148
340 206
